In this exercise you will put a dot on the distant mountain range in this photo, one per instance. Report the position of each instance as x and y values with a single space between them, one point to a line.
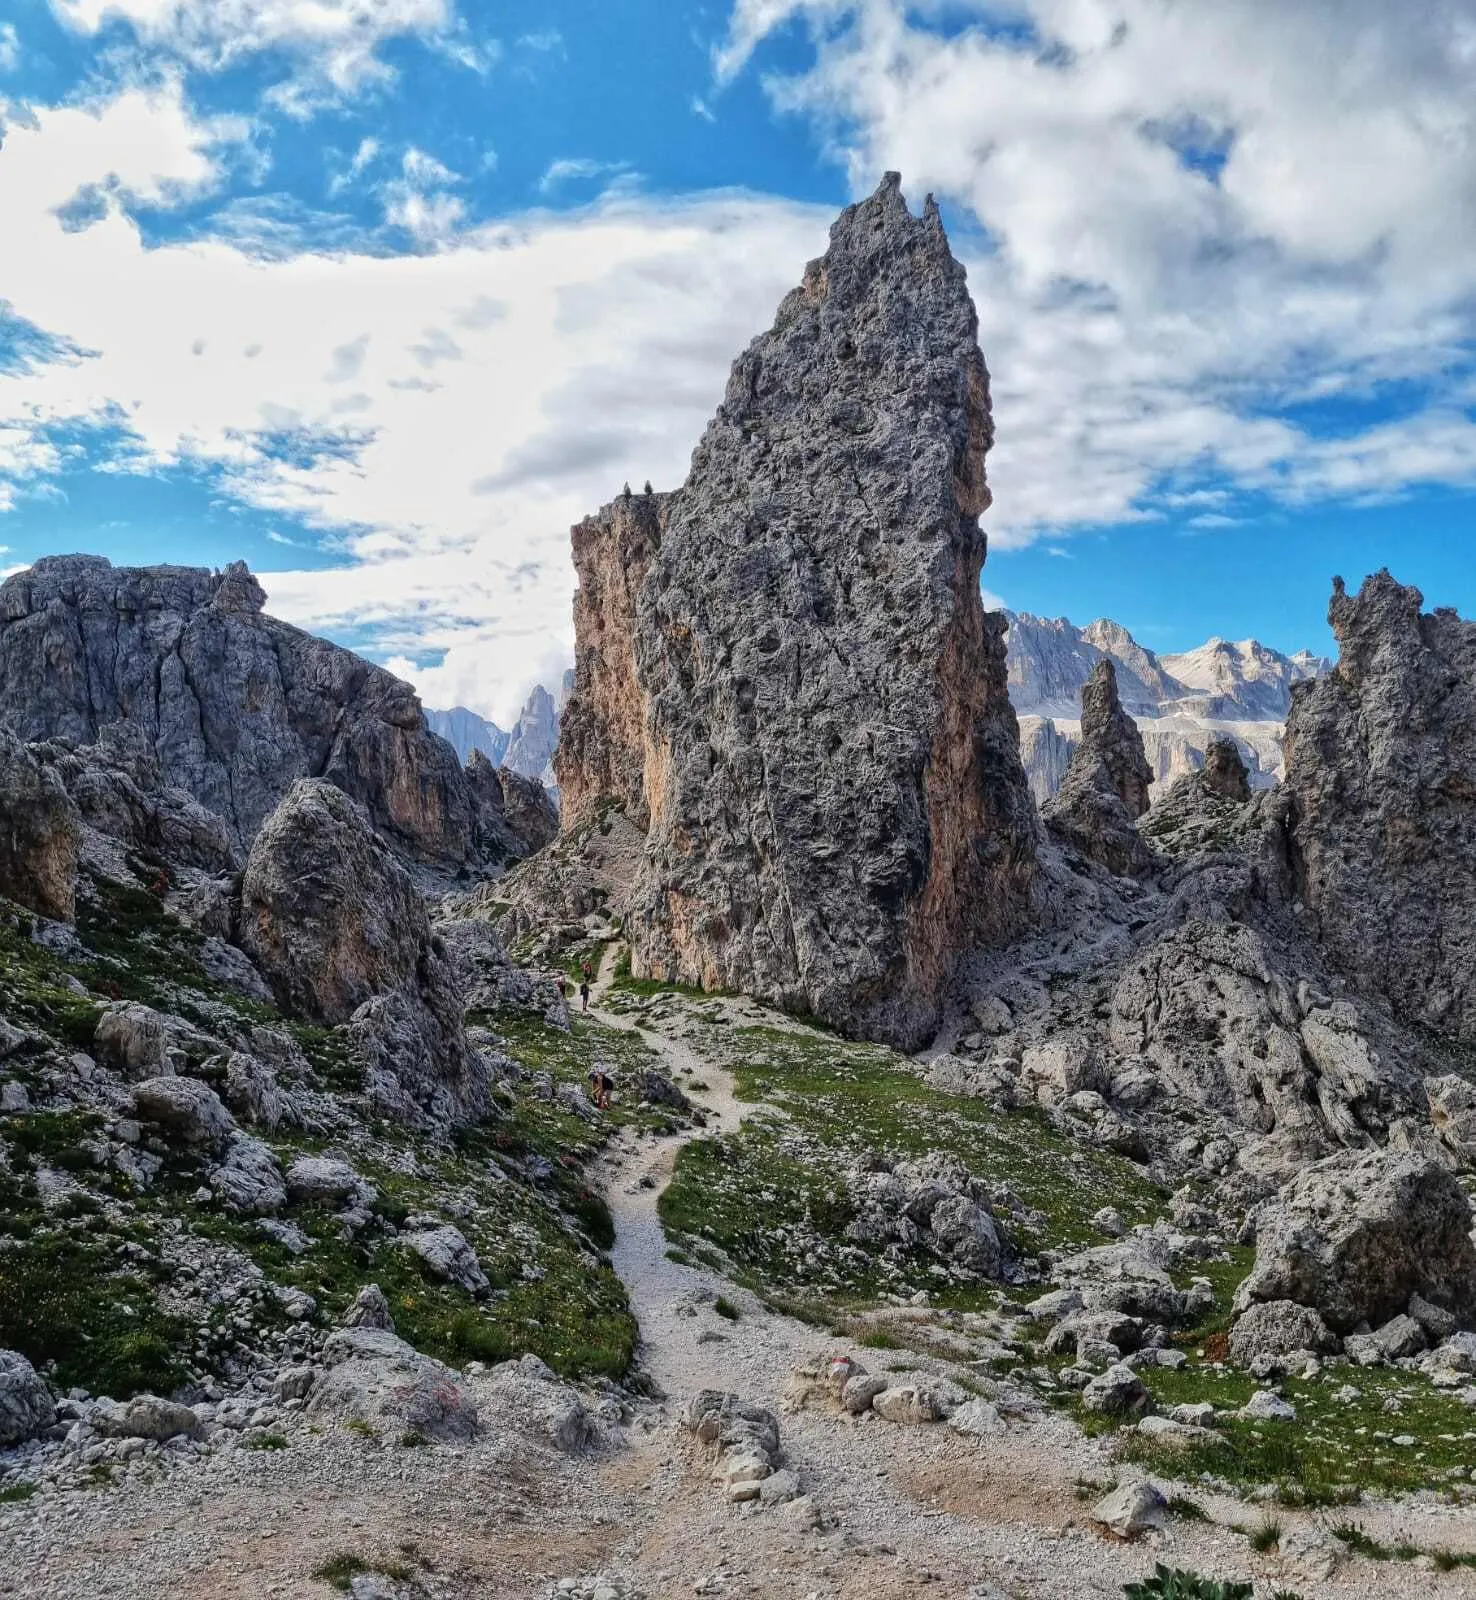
1180 702
527 749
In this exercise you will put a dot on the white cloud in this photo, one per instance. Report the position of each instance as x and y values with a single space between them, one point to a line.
1145 316
9 47
571 169
441 419
418 202
334 42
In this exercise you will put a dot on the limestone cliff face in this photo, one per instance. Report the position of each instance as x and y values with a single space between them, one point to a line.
602 738
829 762
233 705
1381 770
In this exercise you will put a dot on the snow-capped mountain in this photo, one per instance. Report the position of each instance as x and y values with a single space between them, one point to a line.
1180 702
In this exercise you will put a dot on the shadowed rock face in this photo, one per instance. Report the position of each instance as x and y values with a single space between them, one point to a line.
1106 788
602 737
40 834
828 758
231 704
1381 771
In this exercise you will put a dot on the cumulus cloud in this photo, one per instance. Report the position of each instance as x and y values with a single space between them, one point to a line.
1193 219
437 419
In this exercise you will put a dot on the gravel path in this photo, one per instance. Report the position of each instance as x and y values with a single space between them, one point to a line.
888 1511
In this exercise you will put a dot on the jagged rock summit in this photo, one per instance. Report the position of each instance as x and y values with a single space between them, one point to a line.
1097 808
1381 771
231 704
828 758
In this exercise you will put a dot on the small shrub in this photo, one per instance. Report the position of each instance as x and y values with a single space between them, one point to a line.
267 1441
1266 1535
359 1426
725 1308
16 1493
413 1440
1187 1510
1176 1584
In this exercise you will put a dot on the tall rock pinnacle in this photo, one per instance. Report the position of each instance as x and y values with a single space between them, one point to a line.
828 759
1381 771
1106 786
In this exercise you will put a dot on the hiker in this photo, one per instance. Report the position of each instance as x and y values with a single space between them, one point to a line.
601 1084
584 995
586 971
561 983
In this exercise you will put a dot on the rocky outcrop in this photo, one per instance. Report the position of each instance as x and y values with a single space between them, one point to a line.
231 704
1097 808
829 758
1355 1236
602 740
40 834
26 1406
517 816
534 737
1204 810
1381 770
340 931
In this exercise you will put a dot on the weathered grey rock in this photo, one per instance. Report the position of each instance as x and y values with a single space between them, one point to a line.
1401 1336
1355 1235
140 1042
860 1391
1381 772
1224 771
249 1181
324 1180
730 1423
1452 1101
910 1404
527 1396
490 979
1133 1508
40 832
977 1419
340 931
1278 1328
931 1203
1436 1322
187 1110
1096 809
232 705
516 815
828 755
1117 1392
1264 1406
377 1379
370 1310
146 1417
26 1406
252 1092
446 1255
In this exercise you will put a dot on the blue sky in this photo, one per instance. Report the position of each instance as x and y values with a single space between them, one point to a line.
381 295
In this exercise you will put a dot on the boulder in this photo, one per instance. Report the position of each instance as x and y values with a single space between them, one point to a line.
340 930
976 1419
384 1383
370 1310
40 833
139 1042
1264 1406
1117 1392
910 1404
145 1417
1133 1508
252 1092
527 1396
26 1406
445 1254
186 1110
1355 1235
860 1391
324 1180
249 1180
1278 1328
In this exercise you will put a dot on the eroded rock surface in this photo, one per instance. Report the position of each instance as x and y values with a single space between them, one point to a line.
1097 808
40 834
829 762
232 704
1381 769
341 932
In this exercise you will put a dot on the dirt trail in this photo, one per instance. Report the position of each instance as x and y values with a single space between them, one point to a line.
902 1511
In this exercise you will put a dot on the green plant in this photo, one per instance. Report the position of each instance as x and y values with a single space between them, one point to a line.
1187 1510
412 1439
1176 1584
267 1441
725 1308
16 1492
1364 1544
359 1426
1266 1535
341 1570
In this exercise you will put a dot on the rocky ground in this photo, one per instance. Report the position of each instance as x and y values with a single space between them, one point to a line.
971 1475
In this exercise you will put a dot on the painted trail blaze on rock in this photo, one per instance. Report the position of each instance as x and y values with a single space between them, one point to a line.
826 752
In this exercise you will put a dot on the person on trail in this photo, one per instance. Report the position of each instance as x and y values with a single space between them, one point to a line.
584 995
600 1084
561 983
586 971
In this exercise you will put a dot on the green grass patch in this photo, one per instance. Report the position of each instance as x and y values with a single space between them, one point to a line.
17 1493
